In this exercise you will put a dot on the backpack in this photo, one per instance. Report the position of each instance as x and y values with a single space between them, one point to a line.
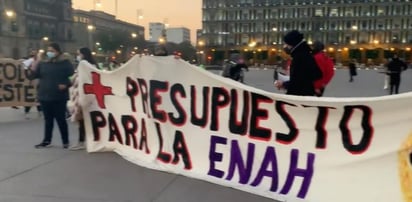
326 66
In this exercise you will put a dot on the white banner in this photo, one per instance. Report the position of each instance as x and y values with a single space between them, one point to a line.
165 114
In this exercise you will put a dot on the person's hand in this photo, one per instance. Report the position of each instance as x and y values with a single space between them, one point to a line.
62 87
278 84
318 91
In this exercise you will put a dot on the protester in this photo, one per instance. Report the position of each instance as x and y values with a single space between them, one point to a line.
303 68
395 68
352 70
325 64
28 62
160 50
83 55
53 91
113 65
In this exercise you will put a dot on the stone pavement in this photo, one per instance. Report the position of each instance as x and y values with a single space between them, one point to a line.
57 175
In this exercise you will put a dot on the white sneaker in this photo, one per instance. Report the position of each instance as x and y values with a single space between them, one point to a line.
79 146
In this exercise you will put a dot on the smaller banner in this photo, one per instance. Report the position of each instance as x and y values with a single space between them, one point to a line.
15 88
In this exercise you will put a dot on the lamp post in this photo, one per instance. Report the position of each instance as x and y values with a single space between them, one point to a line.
90 29
12 17
252 45
200 45
139 15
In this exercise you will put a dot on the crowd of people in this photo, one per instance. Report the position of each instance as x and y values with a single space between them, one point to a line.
307 73
310 70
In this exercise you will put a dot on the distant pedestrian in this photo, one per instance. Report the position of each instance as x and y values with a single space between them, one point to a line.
325 64
395 68
352 70
303 68
160 50
53 91
83 55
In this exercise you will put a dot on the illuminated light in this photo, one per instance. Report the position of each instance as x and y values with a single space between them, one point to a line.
352 42
9 14
345 49
259 50
310 42
360 48
392 49
331 49
213 50
408 49
273 49
246 50
252 44
93 53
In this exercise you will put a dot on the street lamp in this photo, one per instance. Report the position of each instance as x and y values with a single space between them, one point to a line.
134 35
90 29
10 13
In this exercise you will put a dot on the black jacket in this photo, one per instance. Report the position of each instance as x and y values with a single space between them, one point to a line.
303 71
51 74
396 66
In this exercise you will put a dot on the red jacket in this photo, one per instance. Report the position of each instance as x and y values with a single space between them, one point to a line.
326 66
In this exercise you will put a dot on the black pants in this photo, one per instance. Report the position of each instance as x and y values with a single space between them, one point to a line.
55 110
82 131
27 109
395 81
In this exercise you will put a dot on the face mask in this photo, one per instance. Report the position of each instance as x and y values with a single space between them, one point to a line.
287 50
51 54
78 58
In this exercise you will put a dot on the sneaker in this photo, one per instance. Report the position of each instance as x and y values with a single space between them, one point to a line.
79 146
65 146
42 145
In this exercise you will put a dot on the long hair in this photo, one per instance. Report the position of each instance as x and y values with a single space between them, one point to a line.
87 55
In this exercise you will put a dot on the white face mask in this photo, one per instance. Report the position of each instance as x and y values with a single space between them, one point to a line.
50 54
78 58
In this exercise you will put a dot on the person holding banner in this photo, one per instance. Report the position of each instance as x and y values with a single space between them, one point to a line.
53 91
28 62
83 55
303 68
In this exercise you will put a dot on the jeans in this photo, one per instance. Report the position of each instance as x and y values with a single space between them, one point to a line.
55 110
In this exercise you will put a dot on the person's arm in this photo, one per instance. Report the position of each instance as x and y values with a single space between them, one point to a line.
405 66
33 72
68 72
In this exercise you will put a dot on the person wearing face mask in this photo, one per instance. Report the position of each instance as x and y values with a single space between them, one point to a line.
303 68
83 55
53 91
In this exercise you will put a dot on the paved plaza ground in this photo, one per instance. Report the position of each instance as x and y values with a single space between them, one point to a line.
57 175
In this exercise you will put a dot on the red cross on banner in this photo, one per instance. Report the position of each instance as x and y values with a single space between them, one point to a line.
97 89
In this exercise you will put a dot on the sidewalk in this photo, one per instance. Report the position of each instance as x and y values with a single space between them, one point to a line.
57 175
